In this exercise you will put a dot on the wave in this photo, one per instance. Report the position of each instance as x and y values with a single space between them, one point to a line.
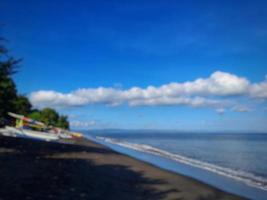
238 175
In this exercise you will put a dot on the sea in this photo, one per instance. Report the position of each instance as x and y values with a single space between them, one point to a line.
233 162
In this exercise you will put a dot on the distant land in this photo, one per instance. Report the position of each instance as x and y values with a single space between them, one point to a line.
168 131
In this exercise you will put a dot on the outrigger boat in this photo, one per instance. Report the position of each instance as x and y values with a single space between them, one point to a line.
7 132
33 134
26 132
43 132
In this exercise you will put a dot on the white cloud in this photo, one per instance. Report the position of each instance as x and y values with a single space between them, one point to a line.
194 101
220 111
218 84
241 108
83 124
201 92
259 90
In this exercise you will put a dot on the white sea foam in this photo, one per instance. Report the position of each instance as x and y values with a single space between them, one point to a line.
241 176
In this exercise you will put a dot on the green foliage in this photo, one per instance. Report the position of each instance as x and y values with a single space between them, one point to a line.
22 105
63 122
8 91
50 117
36 114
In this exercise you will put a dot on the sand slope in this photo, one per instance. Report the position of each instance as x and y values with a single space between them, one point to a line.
43 170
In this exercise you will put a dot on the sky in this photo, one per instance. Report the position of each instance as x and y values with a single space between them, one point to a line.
178 65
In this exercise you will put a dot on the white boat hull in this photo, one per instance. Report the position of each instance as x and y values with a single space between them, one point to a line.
33 134
7 132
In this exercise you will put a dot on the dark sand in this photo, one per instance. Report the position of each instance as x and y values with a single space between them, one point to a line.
43 170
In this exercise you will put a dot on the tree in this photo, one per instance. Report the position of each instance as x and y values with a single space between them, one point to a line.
22 105
8 91
35 114
50 117
63 122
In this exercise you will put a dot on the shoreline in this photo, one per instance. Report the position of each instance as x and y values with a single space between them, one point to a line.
88 170
175 163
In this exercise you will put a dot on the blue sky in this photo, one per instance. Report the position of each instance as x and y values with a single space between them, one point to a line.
94 60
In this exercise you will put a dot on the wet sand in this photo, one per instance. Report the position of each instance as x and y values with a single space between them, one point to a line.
31 169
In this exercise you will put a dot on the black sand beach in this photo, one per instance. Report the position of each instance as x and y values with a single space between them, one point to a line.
32 169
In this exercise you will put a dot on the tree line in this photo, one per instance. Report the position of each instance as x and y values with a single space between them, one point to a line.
12 101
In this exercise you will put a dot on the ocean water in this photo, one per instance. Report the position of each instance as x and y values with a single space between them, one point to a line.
235 163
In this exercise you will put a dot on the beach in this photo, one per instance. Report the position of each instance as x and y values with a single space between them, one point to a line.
31 169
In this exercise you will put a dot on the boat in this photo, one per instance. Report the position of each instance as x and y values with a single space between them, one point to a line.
25 131
12 131
8 132
39 135
27 127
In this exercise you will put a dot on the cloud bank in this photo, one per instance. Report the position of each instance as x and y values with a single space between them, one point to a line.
83 124
202 92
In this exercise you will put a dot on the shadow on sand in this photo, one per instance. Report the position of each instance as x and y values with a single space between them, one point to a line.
27 172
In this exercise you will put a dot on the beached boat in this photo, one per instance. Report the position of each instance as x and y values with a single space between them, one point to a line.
6 132
40 135
30 133
27 132
27 127
64 135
